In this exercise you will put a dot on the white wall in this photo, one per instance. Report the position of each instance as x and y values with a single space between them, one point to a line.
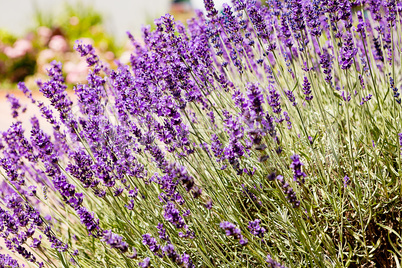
120 15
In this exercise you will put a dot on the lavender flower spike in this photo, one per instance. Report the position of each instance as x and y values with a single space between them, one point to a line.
232 230
114 241
299 175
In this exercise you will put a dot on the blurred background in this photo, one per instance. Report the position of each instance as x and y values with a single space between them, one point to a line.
33 33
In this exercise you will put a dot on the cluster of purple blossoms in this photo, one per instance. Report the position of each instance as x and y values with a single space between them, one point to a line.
164 251
400 140
172 215
162 232
395 90
114 241
348 52
235 149
273 100
296 165
151 242
15 105
232 230
312 14
7 261
288 191
256 229
171 72
18 223
145 263
216 147
366 99
291 97
346 96
88 51
307 89
273 264
346 181
287 119
326 65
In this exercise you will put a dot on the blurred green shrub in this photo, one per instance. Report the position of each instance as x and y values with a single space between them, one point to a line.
52 38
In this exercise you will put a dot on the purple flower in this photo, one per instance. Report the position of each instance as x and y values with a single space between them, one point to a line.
291 97
88 51
312 15
273 99
400 140
346 181
172 215
151 242
7 261
162 232
287 118
296 165
290 194
15 104
88 219
366 99
232 230
307 89
216 147
114 241
210 8
255 98
395 90
36 242
361 25
375 6
272 263
145 263
82 169
326 65
348 52
346 97
208 205
255 228
258 20
130 205
171 253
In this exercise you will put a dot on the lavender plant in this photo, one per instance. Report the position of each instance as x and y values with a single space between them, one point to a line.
259 136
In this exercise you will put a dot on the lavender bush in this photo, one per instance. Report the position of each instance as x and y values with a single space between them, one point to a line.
257 136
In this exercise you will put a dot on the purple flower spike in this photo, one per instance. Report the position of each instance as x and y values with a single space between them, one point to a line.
172 215
346 181
210 8
273 100
290 194
296 165
256 229
15 104
348 52
400 141
145 263
114 241
7 261
307 89
272 263
151 242
291 97
232 230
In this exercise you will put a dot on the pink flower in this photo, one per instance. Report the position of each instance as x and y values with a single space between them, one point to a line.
58 43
